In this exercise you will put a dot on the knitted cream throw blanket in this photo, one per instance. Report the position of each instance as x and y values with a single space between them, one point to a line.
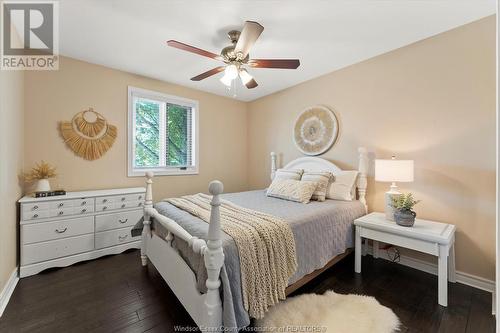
265 244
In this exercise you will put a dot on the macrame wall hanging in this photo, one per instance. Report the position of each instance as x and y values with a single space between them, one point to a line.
88 134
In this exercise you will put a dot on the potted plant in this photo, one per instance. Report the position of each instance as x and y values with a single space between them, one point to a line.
41 173
403 205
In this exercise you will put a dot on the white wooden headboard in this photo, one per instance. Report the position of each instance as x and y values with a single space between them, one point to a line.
310 163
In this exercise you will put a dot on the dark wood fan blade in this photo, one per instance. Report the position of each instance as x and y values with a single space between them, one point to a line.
211 72
251 84
249 35
192 49
274 63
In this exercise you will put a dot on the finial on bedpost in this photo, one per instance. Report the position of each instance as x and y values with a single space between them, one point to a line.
214 259
273 164
362 178
149 189
146 230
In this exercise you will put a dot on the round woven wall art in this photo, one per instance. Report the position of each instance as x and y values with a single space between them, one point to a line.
316 130
88 134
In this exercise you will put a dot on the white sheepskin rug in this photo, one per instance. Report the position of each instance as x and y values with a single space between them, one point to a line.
330 312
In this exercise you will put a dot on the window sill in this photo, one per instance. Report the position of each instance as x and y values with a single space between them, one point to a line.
163 172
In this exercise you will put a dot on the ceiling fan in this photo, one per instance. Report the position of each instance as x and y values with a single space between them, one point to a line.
236 56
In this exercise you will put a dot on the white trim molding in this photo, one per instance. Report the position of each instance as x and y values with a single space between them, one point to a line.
8 289
428 267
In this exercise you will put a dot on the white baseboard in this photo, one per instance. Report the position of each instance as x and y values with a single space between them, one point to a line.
8 290
428 267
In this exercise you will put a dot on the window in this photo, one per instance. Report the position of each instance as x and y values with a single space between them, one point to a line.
162 134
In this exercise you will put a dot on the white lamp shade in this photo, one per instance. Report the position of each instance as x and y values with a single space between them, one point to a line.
245 76
394 170
231 71
226 80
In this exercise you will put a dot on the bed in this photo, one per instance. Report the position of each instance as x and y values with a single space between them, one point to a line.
200 262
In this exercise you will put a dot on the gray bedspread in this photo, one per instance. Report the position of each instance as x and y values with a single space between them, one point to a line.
321 230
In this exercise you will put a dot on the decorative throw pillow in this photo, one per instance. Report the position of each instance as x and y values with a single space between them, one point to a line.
291 189
288 174
343 186
323 178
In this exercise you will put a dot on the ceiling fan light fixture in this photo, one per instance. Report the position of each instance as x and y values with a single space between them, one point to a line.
245 76
231 71
226 80
236 56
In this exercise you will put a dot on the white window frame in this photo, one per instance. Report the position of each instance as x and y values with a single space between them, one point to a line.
167 170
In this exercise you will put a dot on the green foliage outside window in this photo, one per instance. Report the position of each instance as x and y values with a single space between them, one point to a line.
147 134
177 135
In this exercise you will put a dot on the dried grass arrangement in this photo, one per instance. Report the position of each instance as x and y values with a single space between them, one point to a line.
88 138
42 170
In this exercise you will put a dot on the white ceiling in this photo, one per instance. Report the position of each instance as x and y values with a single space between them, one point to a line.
130 35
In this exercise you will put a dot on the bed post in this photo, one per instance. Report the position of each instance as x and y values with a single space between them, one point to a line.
363 170
146 230
214 259
273 164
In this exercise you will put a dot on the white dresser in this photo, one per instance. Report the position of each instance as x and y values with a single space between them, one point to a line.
62 230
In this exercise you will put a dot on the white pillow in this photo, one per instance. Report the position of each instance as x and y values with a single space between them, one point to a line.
291 189
343 186
288 174
323 178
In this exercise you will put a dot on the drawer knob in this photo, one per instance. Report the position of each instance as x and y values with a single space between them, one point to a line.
140 197
61 204
104 200
123 221
61 212
62 230
123 199
35 216
84 210
123 205
84 203
139 204
122 238
35 207
104 208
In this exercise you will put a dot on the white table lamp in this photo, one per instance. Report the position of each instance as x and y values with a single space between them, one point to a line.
393 171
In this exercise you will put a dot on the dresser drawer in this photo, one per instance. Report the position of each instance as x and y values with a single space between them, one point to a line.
133 197
83 210
34 253
117 220
114 237
128 204
120 198
62 204
41 232
60 212
105 200
104 207
35 215
35 206
83 202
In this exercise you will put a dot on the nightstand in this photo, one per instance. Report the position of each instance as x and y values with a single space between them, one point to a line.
425 236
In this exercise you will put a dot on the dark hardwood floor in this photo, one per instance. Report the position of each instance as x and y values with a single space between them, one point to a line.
116 294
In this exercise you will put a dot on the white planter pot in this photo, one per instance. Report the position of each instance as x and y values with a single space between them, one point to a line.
42 185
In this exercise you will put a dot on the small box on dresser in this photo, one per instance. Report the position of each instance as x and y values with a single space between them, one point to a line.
61 230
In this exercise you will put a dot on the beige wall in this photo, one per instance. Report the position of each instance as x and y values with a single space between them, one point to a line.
52 96
11 164
432 101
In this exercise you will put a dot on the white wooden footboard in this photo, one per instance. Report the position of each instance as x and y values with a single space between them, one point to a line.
205 309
